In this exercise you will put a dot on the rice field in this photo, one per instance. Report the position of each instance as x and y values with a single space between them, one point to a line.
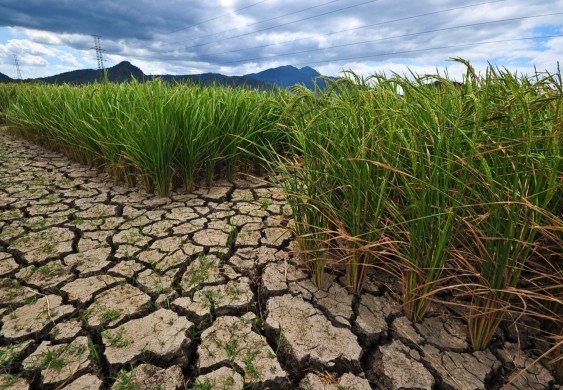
455 188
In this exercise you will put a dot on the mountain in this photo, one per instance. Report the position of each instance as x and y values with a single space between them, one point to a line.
124 71
4 78
287 76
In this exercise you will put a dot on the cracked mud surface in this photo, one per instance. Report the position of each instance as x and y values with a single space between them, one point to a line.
107 287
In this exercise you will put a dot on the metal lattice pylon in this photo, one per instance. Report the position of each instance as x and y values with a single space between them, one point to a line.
17 65
99 55
99 52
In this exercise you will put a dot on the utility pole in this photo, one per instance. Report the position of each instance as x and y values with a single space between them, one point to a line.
99 55
18 69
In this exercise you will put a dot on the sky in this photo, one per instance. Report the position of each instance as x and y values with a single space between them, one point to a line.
237 37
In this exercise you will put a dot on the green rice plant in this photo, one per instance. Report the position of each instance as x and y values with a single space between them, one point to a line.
515 169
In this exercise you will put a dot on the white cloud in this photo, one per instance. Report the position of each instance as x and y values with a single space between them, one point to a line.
141 32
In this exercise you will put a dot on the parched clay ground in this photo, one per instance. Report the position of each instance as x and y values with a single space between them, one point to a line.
103 286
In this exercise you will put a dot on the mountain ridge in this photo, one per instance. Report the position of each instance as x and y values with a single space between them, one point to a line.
282 76
288 76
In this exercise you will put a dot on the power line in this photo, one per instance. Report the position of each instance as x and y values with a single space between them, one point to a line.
345 30
391 37
429 49
358 28
259 22
18 69
217 17
409 51
278 25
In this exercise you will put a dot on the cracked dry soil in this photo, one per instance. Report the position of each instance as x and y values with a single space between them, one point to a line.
107 287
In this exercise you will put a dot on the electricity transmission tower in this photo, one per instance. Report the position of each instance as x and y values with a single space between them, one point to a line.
99 55
17 65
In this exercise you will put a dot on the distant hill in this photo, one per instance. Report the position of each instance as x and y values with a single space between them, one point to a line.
287 76
217 79
124 71
4 78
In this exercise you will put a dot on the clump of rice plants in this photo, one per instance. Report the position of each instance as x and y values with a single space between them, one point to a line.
405 169
430 187
339 182
515 165
166 134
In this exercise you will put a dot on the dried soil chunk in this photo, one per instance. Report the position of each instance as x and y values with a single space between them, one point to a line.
89 261
212 238
168 244
397 367
190 227
536 376
155 282
214 193
249 235
202 271
82 290
66 331
59 362
162 261
182 214
372 315
13 293
308 336
7 263
231 340
12 382
347 381
463 371
337 302
11 353
127 268
405 329
46 276
147 376
85 382
35 317
97 211
158 229
276 276
234 296
444 333
47 243
132 236
275 236
222 379
162 333
199 309
113 305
